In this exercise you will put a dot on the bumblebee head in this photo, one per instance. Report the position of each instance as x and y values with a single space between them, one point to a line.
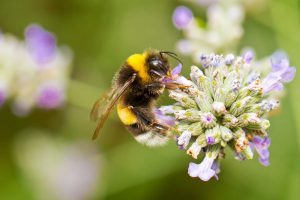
158 66
152 65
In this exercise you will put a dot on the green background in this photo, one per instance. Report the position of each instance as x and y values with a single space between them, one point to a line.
102 34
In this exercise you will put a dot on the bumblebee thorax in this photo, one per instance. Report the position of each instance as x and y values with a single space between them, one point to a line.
138 63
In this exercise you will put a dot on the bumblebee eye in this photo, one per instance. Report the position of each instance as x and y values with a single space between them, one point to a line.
156 63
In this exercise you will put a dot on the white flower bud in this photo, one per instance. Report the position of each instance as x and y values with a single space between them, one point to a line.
218 108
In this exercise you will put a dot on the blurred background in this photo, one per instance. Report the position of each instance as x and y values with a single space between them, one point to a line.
47 153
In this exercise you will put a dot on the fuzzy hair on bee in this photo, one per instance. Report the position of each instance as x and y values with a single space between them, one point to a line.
136 87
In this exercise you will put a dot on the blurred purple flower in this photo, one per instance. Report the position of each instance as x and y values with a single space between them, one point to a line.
281 72
261 146
182 16
205 170
41 44
282 68
248 56
50 96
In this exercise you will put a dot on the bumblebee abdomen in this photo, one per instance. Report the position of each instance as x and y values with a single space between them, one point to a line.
125 114
152 138
147 136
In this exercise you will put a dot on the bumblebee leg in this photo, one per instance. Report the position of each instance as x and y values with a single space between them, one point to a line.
155 88
161 128
142 115
173 86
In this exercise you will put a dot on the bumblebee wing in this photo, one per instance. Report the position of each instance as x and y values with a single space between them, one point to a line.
98 106
102 110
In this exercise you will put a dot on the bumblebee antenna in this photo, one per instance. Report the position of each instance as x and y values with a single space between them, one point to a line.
171 54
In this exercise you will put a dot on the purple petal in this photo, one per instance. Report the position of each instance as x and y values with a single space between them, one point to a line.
210 140
280 65
184 139
203 170
165 119
216 167
261 146
176 71
266 141
279 55
289 74
257 140
272 82
182 16
193 169
264 162
248 56
50 97
41 44
180 146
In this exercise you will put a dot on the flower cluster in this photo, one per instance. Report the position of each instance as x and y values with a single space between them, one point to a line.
33 73
226 103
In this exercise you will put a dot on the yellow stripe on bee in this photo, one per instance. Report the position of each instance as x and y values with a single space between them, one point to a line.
138 63
125 114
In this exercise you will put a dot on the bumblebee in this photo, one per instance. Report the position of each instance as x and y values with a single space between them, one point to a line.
135 89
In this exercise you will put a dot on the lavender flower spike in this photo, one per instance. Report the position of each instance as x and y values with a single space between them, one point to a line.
224 105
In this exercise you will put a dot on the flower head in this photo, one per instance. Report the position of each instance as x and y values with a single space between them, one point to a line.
33 73
50 96
182 16
225 104
41 44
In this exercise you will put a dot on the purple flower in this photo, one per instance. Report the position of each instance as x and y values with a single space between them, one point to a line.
41 44
50 96
248 56
174 74
282 68
184 139
261 146
205 170
210 140
165 119
182 16
281 72
176 71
